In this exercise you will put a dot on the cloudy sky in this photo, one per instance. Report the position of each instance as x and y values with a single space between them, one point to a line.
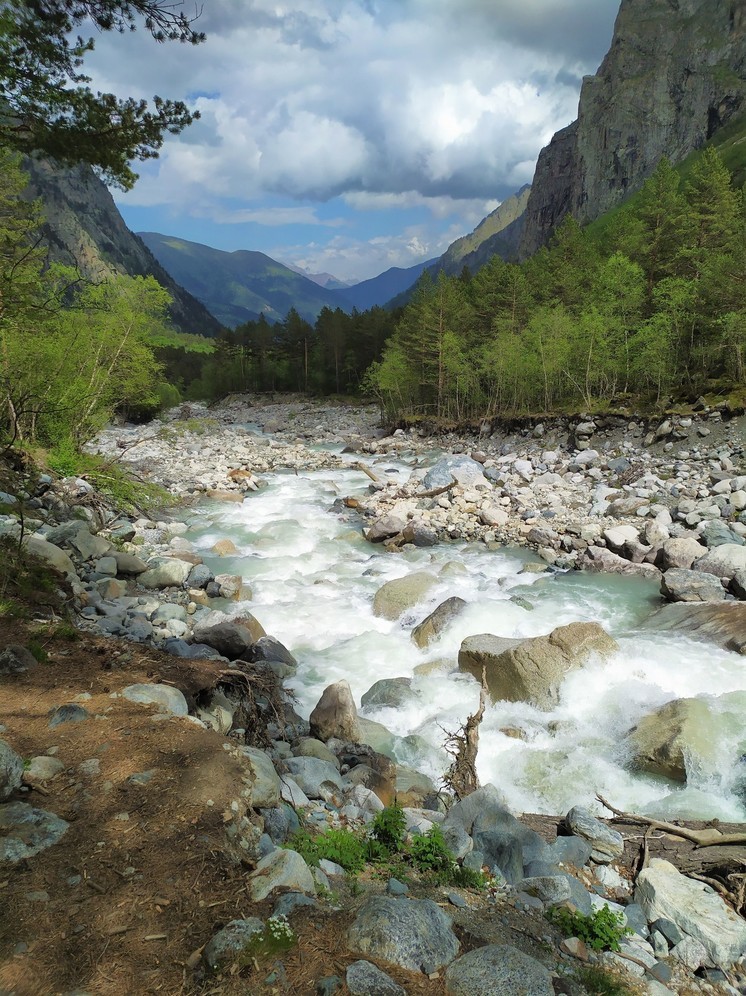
349 136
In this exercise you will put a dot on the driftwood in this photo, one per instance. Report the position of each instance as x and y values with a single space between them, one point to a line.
706 837
461 777
368 472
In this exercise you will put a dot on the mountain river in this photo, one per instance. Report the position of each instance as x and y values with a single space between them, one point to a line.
313 578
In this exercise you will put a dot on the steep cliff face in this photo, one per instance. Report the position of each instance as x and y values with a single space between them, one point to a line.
675 74
83 228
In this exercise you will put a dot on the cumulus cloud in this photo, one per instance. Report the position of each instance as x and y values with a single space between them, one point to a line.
440 101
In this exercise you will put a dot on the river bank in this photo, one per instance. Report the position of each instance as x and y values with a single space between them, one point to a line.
206 795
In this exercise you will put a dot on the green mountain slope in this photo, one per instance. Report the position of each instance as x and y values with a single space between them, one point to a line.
238 286
498 234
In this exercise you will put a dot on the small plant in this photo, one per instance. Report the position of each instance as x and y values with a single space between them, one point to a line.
598 981
343 847
602 930
429 851
276 938
390 828
38 651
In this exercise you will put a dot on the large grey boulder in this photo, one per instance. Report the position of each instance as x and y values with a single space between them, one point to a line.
227 944
365 979
389 692
25 831
230 638
128 563
721 623
168 699
686 730
431 627
695 908
165 572
414 934
459 468
723 561
607 844
498 968
554 889
534 670
266 648
680 553
265 783
280 869
598 558
335 714
505 842
386 527
318 779
395 597
11 770
483 651
50 554
679 585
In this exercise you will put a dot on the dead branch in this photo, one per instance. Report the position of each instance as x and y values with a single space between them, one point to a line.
702 838
463 745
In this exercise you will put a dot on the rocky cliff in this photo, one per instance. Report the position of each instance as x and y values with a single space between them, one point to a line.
498 234
83 228
674 75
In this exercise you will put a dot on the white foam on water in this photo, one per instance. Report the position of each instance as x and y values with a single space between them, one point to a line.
313 579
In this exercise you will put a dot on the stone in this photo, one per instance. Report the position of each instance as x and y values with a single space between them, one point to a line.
680 553
459 468
554 889
267 648
498 968
26 831
721 623
228 637
723 561
691 586
335 714
571 850
310 747
395 597
386 527
165 572
40 769
227 944
168 699
493 515
265 782
433 625
607 844
225 548
68 713
617 536
696 909
15 659
414 934
11 770
282 869
55 558
534 670
292 901
389 692
483 651
365 979
88 546
419 533
318 779
598 558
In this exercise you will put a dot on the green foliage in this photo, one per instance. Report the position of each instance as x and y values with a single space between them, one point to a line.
111 480
602 930
344 847
598 981
22 576
38 651
390 827
48 105
276 938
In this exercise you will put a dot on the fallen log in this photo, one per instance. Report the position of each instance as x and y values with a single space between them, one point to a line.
706 837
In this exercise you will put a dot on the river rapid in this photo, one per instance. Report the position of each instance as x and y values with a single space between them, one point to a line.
313 578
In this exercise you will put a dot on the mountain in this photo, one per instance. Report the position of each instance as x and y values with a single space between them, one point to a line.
238 286
83 228
499 234
674 76
327 280
381 289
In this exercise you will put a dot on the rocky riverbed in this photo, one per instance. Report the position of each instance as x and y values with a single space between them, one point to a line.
221 749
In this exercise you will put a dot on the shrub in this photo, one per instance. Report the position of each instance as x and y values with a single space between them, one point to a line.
344 847
602 930
390 827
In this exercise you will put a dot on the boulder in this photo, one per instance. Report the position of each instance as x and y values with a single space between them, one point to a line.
267 648
165 572
721 623
598 558
494 516
318 779
386 527
686 730
25 831
691 586
459 468
15 659
365 979
11 770
414 934
280 869
227 636
310 747
264 780
483 651
335 714
723 561
389 692
606 844
227 944
534 670
367 767
168 699
394 597
497 968
694 908
419 533
127 563
617 536
89 546
433 625
50 554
